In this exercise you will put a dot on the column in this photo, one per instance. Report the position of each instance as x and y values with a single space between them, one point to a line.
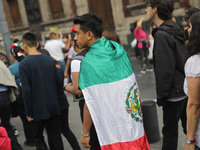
118 15
66 8
22 11
45 10
82 7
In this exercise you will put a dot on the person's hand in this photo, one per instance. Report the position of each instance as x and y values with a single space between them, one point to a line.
139 23
190 146
85 141
69 84
58 65
65 55
69 37
65 74
29 119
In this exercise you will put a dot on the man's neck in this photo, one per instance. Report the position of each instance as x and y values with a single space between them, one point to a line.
33 51
93 41
158 21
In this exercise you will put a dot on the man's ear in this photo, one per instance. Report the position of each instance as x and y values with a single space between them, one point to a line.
25 46
90 35
155 9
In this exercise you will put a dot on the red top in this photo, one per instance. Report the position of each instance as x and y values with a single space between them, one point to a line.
5 142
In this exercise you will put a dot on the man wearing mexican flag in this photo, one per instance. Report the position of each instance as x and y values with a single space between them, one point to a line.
110 90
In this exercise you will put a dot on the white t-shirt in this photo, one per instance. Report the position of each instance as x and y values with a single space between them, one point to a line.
75 66
192 69
54 47
71 53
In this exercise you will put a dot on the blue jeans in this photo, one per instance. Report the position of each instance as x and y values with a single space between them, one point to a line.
62 65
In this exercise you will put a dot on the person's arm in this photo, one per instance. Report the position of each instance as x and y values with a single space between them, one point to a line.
73 88
67 46
139 23
67 67
25 79
87 123
164 65
193 109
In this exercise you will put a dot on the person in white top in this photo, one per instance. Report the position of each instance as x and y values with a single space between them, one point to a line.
54 47
192 84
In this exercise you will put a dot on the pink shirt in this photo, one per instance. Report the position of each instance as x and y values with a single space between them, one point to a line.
139 35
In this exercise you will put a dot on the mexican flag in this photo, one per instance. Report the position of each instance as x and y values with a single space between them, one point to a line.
111 93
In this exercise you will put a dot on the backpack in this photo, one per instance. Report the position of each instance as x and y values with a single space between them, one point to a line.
80 57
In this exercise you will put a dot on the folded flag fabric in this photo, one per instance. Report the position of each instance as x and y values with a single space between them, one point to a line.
111 93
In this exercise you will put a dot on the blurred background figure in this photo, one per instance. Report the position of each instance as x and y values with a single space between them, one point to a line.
142 46
54 47
67 73
187 17
111 35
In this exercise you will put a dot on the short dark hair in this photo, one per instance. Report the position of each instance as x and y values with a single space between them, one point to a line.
16 40
30 39
90 22
164 8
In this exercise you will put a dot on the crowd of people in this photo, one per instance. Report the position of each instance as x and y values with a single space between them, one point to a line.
102 81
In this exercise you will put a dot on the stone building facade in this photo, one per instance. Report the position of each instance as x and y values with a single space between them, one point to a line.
44 16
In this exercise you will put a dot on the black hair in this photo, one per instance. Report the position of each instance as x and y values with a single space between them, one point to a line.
18 53
16 40
187 7
164 8
90 22
194 40
30 39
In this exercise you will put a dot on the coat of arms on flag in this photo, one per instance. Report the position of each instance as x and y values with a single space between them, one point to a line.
133 103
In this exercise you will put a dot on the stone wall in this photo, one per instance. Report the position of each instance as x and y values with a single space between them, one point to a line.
122 23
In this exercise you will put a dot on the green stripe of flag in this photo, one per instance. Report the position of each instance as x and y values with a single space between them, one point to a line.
106 62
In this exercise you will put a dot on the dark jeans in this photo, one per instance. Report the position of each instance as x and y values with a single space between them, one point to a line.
172 112
94 142
28 131
65 130
144 52
5 120
53 124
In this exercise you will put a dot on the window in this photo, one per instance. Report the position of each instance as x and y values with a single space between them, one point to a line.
15 14
56 9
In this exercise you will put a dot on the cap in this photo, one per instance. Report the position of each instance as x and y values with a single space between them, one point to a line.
190 12
73 29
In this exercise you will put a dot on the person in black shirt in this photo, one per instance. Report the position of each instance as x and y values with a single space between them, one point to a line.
40 79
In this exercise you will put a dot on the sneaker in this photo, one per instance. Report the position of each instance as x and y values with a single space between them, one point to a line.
143 71
16 132
149 69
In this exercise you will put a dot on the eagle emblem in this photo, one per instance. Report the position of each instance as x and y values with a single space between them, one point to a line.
133 103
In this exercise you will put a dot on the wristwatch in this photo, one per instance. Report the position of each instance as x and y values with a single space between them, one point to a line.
188 141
